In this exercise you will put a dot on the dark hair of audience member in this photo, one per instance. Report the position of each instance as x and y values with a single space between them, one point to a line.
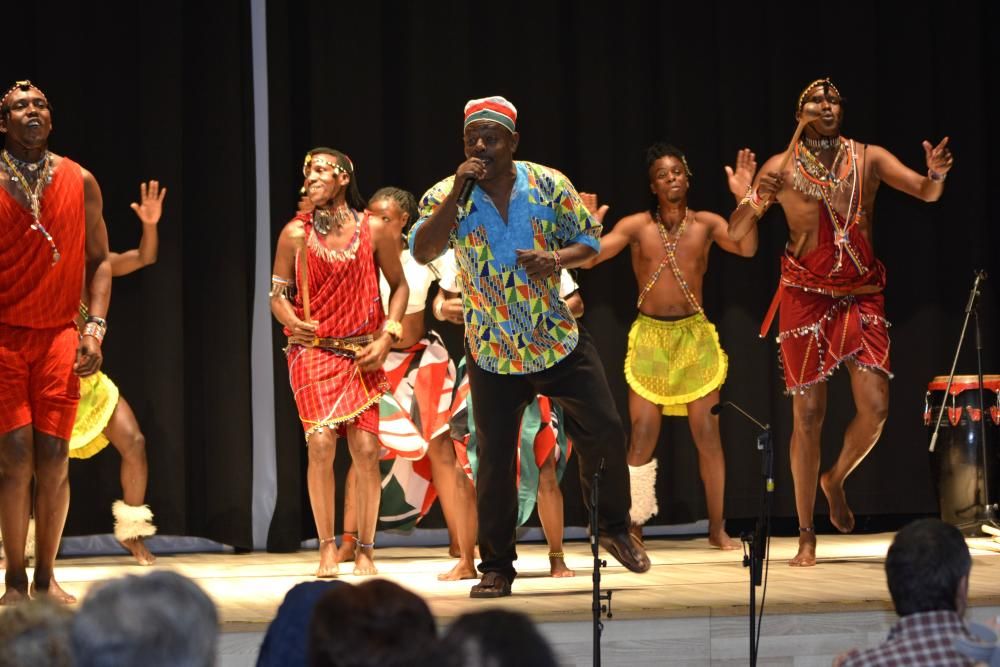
925 563
495 638
161 619
35 633
377 623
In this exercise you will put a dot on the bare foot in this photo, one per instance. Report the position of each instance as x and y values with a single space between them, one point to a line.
463 569
558 568
806 557
346 551
53 591
137 548
13 596
328 563
364 560
720 540
840 514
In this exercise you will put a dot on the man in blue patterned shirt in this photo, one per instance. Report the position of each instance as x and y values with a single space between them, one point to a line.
517 226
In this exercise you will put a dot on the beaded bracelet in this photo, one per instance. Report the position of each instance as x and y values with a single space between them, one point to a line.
394 329
936 177
558 267
94 330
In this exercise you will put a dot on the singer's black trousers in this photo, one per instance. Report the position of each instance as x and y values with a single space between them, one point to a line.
579 386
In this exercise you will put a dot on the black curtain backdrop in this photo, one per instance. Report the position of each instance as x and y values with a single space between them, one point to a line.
163 90
595 84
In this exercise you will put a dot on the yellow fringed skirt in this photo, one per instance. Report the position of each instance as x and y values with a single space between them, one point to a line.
98 400
671 363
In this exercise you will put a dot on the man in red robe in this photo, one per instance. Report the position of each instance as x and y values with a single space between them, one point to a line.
52 238
830 295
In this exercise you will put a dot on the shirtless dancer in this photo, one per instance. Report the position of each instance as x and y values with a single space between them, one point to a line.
830 294
675 365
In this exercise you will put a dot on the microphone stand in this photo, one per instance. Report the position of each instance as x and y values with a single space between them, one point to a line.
597 607
971 309
756 543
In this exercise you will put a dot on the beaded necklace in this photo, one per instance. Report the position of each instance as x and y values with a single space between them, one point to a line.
824 185
325 220
335 254
42 171
820 143
670 258
812 178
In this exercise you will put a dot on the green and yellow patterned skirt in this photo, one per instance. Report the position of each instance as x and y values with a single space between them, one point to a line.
671 363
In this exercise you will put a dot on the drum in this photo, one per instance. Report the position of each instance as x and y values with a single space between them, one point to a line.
961 473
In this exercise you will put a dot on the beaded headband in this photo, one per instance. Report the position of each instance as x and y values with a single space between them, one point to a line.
24 86
320 158
825 82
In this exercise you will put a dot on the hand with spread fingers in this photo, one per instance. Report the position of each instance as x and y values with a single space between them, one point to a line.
939 159
740 178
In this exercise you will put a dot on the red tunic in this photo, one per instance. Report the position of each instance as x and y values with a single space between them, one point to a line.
34 292
38 301
823 318
330 390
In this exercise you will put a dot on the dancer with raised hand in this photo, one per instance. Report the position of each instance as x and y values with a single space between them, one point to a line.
675 365
832 309
103 414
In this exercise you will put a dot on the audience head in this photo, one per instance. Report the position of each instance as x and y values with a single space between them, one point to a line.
161 619
495 638
927 568
287 637
377 623
35 633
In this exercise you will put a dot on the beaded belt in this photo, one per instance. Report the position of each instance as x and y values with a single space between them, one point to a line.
353 344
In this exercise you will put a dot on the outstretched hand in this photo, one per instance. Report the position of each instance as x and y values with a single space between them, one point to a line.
939 158
590 201
741 178
150 206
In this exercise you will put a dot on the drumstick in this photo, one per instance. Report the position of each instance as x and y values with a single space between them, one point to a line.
810 112
299 237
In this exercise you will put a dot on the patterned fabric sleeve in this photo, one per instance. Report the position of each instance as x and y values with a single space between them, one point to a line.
428 204
574 223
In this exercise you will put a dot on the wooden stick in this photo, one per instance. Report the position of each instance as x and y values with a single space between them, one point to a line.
303 260
809 114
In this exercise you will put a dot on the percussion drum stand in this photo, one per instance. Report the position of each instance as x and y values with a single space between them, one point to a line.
990 524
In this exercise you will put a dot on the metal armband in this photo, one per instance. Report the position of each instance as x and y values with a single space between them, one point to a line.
281 287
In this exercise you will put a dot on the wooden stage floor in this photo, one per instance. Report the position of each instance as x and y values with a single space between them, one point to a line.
692 603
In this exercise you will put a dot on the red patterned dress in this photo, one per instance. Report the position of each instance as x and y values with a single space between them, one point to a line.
330 389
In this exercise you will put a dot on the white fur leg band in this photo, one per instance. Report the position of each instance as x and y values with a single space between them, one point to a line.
643 482
132 522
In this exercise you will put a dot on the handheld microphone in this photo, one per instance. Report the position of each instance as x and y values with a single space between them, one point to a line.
466 191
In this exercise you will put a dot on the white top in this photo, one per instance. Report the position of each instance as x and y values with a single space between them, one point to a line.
418 277
449 277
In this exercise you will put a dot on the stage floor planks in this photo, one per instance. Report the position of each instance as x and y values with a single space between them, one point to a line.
688 579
